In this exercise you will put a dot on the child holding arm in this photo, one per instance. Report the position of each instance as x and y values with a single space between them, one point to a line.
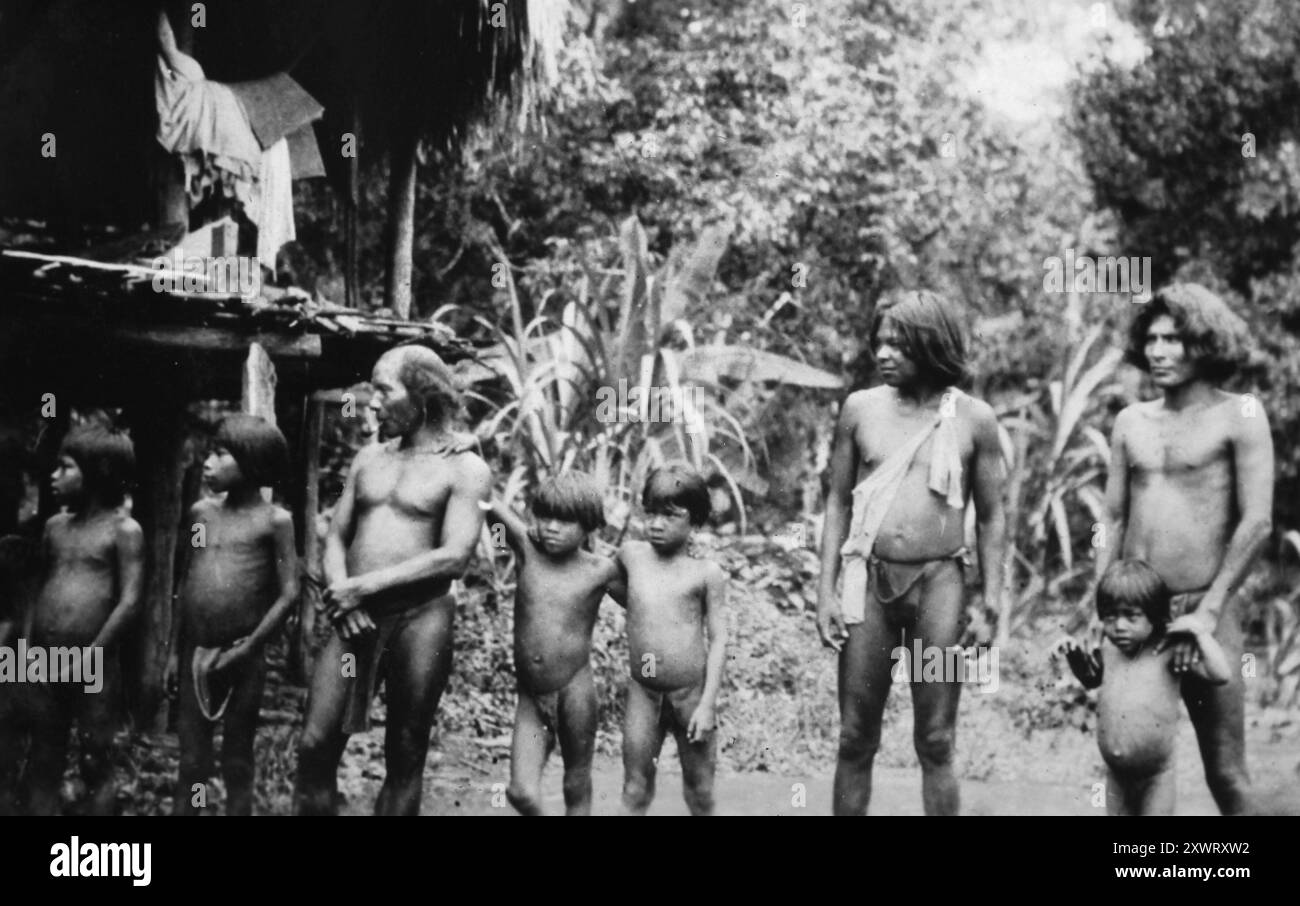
1138 705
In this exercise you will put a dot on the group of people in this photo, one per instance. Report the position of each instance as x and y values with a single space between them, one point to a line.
1189 500
1189 497
404 528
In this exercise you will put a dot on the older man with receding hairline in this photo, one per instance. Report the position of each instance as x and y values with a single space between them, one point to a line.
404 528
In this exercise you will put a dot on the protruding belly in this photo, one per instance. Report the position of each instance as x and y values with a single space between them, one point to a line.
546 658
666 658
73 606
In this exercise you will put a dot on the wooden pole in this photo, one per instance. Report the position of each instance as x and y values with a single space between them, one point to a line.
352 248
303 653
159 434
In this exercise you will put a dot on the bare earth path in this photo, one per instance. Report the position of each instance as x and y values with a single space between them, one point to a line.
458 783
897 792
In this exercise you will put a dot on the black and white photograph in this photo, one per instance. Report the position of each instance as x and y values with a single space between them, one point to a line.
631 407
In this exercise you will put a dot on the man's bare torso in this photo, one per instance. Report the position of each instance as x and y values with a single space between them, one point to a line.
1182 505
401 498
920 524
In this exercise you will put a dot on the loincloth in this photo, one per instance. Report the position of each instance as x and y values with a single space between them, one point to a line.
214 692
371 651
874 496
891 580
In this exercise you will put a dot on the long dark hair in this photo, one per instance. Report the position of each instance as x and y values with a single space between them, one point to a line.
931 332
1213 336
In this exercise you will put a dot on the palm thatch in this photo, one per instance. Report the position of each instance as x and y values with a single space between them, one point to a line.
442 67
398 75
425 74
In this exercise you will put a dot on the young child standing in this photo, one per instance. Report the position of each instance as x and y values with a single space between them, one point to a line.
676 639
558 595
93 556
240 580
1140 691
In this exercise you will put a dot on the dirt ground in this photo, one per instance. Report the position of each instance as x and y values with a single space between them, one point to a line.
466 778
1028 748
1019 752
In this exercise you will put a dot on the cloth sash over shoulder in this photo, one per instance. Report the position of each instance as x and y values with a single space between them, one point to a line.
873 498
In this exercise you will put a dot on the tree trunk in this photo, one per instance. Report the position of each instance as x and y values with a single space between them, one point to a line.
352 251
401 221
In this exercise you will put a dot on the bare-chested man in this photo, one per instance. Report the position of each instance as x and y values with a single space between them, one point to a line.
404 528
908 457
1190 491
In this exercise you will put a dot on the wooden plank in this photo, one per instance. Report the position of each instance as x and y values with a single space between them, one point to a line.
258 384
180 336
257 391
123 269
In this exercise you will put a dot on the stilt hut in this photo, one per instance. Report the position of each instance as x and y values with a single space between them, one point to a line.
95 189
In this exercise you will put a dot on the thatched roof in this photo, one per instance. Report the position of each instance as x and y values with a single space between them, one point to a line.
82 70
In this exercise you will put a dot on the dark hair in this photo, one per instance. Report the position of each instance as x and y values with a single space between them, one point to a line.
106 460
258 447
1134 582
1214 337
677 484
571 497
429 381
931 332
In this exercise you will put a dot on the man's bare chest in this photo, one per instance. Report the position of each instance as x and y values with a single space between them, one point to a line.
881 438
418 485
1169 447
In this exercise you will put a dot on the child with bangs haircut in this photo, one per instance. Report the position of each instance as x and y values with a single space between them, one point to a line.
560 587
93 555
676 640
1138 706
239 581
